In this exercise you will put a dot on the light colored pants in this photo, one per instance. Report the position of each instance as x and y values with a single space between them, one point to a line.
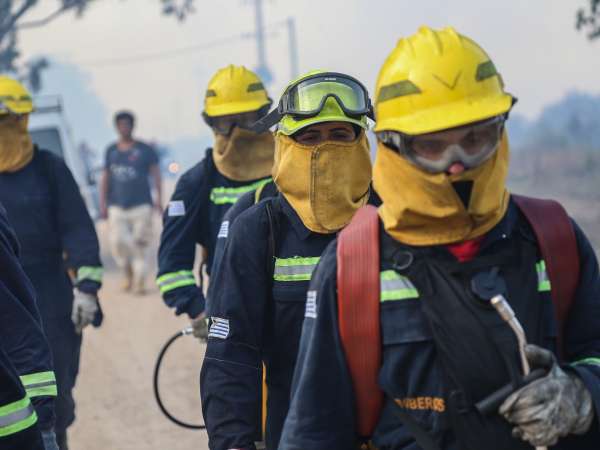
130 235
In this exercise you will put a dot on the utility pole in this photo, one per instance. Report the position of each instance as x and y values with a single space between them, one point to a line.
293 47
262 69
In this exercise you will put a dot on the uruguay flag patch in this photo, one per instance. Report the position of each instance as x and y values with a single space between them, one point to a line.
311 305
219 328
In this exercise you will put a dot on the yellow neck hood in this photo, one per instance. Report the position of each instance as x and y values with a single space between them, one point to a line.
421 209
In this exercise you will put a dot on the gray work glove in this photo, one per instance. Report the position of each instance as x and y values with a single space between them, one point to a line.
551 407
85 307
200 327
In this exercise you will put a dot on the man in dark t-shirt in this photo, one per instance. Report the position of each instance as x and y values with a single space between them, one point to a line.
130 169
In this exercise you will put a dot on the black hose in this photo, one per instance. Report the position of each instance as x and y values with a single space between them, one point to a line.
162 407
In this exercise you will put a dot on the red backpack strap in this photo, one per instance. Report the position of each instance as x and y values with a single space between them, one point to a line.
358 313
556 238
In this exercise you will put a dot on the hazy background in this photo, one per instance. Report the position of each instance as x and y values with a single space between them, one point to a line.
534 44
127 54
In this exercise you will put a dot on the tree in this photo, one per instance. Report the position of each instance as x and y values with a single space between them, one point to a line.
588 18
13 14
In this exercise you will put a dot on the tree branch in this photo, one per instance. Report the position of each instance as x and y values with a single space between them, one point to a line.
45 20
8 26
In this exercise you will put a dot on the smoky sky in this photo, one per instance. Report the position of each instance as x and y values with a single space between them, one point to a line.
533 44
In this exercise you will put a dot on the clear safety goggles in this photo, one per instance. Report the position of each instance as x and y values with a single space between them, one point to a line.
307 97
436 152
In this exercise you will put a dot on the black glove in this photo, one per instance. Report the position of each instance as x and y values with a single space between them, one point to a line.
550 407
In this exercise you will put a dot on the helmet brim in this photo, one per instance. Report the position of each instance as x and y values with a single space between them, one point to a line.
10 107
289 126
450 115
235 108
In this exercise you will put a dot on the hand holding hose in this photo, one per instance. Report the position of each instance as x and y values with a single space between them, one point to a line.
200 327
550 407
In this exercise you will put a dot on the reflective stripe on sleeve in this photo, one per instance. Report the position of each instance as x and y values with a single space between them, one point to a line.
592 361
294 269
543 280
40 384
174 280
396 287
230 195
93 273
16 416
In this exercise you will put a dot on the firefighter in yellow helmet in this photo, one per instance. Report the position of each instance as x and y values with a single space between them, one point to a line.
239 162
437 272
57 237
257 297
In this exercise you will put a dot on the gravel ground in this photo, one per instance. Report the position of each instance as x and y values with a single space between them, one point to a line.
116 409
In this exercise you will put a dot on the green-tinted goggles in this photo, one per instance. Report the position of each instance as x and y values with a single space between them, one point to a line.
306 98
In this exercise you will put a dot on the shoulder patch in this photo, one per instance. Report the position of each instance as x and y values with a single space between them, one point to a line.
311 305
224 230
176 208
219 328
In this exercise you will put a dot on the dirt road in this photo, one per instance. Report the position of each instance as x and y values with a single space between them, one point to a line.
115 404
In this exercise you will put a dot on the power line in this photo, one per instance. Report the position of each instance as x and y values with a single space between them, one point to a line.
175 52
162 54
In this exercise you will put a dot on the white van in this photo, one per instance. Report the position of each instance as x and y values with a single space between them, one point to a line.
50 131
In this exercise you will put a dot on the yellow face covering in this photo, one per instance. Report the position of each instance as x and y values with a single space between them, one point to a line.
244 155
326 183
16 148
420 208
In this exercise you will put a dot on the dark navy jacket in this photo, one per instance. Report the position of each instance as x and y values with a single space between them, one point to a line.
194 215
18 422
21 337
256 309
56 233
322 408
246 201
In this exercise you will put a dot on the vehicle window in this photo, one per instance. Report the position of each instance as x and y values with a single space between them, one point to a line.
48 139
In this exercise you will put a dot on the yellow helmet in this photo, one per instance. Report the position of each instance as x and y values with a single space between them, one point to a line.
14 97
234 90
435 80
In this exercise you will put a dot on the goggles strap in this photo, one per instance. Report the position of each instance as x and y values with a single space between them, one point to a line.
262 125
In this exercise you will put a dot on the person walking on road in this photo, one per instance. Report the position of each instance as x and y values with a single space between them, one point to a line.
131 169
57 238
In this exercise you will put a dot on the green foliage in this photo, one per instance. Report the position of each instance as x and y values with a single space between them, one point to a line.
588 19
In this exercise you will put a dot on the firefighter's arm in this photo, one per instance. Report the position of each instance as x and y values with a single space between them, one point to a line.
18 421
231 373
582 333
22 337
183 228
77 232
321 412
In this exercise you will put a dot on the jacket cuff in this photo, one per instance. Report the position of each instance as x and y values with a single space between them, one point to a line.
88 286
590 377
196 307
